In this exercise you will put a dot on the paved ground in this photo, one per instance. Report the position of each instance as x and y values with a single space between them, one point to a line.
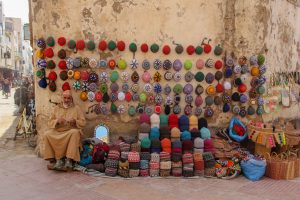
24 176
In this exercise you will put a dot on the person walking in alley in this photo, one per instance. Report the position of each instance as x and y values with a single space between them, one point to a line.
6 87
62 140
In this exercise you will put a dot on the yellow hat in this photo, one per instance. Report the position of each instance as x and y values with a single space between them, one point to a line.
193 121
254 71
76 75
210 90
83 96
70 74
39 53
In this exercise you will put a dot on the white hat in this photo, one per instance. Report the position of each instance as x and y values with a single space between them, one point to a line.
155 121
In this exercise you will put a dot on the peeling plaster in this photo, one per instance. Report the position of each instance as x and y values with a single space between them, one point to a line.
55 17
36 9
102 3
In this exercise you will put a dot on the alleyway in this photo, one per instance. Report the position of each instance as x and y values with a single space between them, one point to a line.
24 176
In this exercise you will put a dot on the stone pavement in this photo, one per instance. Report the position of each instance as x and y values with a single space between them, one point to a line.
24 176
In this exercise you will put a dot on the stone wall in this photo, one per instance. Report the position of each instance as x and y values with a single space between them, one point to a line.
240 26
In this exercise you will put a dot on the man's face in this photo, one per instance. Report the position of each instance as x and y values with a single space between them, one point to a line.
67 100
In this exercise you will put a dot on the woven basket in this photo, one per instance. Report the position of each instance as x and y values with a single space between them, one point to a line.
261 149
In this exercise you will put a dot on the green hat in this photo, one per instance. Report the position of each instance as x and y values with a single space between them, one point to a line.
199 76
261 59
111 45
218 50
114 76
260 110
188 65
131 110
154 48
90 45
122 64
250 110
113 108
179 49
62 54
143 97
40 73
163 119
52 86
132 47
103 88
71 44
177 89
145 143
198 50
260 90
105 97
50 64
50 41
63 75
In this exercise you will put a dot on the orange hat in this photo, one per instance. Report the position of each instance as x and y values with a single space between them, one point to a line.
166 145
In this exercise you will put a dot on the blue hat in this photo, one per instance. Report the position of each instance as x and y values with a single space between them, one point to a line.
186 135
177 144
228 72
154 133
226 107
183 123
43 83
205 133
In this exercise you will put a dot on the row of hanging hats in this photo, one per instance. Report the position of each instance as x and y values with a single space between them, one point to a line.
111 45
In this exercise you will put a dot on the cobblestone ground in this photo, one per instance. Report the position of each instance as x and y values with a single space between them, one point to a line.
24 176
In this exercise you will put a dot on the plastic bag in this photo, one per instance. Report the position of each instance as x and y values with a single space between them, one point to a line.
253 169
233 134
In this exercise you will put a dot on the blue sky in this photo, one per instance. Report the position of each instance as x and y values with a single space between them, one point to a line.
16 8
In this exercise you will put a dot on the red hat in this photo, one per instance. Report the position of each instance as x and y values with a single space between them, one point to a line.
144 48
61 41
80 44
207 48
173 121
66 86
144 118
187 145
102 45
98 96
242 88
166 49
219 88
62 64
112 64
49 52
121 45
128 96
218 64
190 49
157 109
52 76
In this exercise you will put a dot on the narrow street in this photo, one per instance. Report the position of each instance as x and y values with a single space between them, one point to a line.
24 176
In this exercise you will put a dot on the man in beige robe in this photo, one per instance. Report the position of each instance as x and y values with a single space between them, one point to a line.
62 140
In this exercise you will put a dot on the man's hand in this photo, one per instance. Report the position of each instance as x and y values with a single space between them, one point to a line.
61 121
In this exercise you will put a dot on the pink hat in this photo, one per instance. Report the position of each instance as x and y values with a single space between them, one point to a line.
144 118
146 77
200 64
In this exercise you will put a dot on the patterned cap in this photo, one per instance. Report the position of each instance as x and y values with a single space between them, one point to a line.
146 65
157 64
167 90
168 76
189 76
167 64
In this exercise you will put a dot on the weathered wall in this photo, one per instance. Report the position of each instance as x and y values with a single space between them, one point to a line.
242 26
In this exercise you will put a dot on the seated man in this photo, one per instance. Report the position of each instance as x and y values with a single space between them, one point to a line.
62 140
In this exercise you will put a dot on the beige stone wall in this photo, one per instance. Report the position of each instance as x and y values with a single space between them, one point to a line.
242 26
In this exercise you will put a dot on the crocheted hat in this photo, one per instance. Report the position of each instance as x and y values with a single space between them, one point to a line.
144 128
187 146
205 133
144 118
166 145
163 120
195 132
175 134
183 123
193 122
155 146
154 133
173 121
202 122
145 143
198 143
164 132
155 120
186 135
